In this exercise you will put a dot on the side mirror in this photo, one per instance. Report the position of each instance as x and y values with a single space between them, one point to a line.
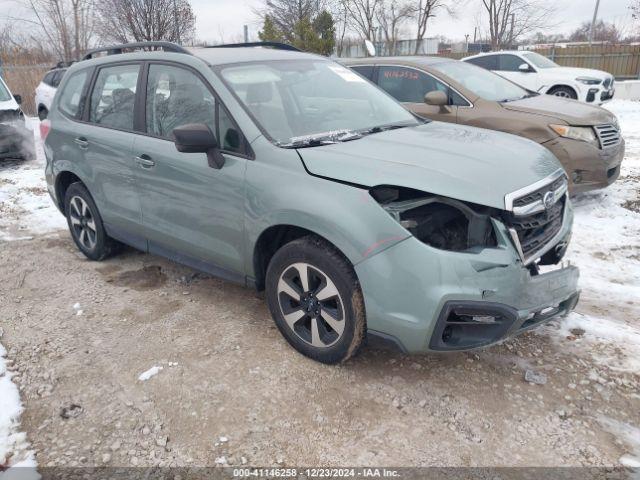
18 99
198 138
524 68
436 98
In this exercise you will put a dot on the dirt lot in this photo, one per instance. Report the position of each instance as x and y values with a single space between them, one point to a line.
231 391
228 373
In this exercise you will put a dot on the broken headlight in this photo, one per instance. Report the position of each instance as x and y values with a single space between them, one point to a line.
440 222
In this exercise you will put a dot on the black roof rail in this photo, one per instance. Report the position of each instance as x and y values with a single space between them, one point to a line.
274 45
117 49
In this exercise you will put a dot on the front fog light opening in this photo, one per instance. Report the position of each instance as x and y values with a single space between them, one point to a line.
466 325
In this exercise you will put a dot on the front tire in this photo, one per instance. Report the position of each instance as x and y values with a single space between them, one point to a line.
564 92
85 223
315 299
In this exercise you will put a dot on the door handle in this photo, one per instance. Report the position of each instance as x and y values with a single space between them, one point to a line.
82 142
145 161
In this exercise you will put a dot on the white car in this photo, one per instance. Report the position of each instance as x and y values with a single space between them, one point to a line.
539 74
16 140
46 90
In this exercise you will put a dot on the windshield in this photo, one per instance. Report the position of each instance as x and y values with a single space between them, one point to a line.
4 92
485 84
298 102
539 60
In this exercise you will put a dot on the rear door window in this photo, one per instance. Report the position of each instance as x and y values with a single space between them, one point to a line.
509 63
490 62
71 97
113 96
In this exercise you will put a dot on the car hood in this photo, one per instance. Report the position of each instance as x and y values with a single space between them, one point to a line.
569 111
465 163
575 72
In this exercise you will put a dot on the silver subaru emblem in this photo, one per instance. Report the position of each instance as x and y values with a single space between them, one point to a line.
548 200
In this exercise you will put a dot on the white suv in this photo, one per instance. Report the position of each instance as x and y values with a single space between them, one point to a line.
539 74
46 90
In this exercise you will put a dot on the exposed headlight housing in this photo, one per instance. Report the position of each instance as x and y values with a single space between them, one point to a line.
584 134
589 80
439 222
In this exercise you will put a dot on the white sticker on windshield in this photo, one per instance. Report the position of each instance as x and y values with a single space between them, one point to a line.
346 74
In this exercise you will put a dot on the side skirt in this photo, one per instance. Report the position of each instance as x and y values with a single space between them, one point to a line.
141 243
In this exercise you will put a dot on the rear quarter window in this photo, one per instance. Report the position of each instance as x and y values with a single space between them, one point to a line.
48 78
365 70
71 95
490 62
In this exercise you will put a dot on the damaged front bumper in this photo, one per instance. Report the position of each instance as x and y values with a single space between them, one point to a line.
424 299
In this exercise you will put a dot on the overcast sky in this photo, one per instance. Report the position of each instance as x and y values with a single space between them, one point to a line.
222 20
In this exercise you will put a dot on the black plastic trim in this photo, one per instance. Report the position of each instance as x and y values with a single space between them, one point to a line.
497 330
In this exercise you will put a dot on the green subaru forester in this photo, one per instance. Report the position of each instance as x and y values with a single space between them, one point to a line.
290 173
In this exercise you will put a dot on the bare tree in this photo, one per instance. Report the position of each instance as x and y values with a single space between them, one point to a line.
602 32
392 15
423 10
635 9
510 19
67 25
361 16
146 20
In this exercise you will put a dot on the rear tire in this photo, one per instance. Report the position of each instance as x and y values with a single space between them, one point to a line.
85 224
563 92
315 299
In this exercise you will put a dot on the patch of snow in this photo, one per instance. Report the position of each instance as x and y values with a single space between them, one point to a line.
153 371
606 246
25 206
627 434
15 451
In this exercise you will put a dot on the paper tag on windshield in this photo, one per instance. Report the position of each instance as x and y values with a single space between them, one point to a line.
346 74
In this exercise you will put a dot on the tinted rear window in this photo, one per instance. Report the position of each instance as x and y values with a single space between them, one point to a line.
490 62
365 70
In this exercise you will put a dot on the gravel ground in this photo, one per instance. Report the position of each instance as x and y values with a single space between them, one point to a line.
231 390
228 390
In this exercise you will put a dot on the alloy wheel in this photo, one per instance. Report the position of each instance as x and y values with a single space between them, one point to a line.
311 305
83 223
562 94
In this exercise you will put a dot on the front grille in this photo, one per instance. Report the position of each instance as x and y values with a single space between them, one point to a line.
536 231
537 195
608 135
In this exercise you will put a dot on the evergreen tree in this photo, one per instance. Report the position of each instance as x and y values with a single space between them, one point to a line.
270 33
326 31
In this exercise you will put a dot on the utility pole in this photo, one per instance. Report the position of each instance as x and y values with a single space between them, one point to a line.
513 23
246 34
593 22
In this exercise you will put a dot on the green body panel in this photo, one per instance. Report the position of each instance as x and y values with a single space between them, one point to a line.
212 219
465 163
423 279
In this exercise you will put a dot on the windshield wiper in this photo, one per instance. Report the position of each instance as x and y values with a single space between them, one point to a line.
383 128
305 142
329 138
